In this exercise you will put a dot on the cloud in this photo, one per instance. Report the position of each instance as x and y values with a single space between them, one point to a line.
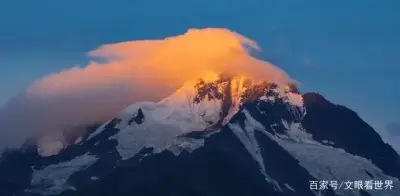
393 129
130 72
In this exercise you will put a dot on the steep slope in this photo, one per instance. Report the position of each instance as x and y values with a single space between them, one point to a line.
348 132
215 136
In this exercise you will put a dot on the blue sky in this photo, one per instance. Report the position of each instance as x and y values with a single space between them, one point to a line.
345 50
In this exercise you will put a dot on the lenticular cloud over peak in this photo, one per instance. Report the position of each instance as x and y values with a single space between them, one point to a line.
167 62
144 70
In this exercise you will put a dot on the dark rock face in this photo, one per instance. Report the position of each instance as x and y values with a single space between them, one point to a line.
222 167
138 119
16 172
16 166
206 171
207 90
342 126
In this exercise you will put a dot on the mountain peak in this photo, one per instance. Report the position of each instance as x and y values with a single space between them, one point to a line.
313 98
149 139
215 98
204 103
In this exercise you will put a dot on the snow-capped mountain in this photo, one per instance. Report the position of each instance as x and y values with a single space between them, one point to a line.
218 135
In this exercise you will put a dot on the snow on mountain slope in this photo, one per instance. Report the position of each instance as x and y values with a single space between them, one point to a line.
53 179
265 118
322 161
200 105
205 103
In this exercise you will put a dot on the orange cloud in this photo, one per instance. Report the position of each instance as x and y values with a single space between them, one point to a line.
136 71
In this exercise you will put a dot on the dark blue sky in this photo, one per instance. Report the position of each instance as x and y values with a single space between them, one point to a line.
346 50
